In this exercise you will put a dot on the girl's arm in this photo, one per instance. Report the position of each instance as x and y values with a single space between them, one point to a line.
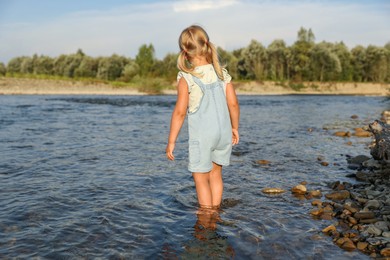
178 116
234 110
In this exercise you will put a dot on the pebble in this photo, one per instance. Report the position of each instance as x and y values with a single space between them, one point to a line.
338 195
374 230
299 189
273 190
385 252
372 204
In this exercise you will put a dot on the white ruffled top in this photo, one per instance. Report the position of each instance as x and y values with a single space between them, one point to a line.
209 76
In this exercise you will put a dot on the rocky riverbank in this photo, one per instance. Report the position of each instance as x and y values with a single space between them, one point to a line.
362 209
358 212
28 86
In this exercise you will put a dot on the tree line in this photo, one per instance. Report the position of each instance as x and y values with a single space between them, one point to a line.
304 60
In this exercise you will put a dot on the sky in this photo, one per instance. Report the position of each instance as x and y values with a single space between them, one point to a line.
103 28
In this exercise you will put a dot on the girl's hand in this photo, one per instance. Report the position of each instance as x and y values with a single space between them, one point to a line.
235 136
169 151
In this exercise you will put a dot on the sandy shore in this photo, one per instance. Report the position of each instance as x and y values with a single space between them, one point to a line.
22 86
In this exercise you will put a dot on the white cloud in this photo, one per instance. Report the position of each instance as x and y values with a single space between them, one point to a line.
194 6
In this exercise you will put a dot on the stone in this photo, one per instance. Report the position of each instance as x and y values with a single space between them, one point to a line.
263 162
269 190
338 195
299 189
358 159
350 208
317 203
324 163
316 212
362 245
374 230
352 220
329 229
364 215
371 163
386 234
382 225
372 204
385 252
346 244
359 132
368 221
342 134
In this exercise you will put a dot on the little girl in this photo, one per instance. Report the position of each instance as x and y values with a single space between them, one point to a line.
204 92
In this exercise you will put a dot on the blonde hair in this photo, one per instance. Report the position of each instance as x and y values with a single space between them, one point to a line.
194 41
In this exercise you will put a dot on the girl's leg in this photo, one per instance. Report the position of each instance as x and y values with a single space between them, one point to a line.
216 185
203 190
209 187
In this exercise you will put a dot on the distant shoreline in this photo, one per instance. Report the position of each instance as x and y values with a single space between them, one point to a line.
25 86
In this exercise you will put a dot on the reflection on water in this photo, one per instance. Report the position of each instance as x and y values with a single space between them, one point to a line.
207 242
86 177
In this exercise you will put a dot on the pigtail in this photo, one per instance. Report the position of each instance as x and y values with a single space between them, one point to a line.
213 54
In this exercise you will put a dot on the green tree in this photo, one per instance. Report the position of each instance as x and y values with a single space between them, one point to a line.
27 65
277 60
15 65
145 59
324 64
376 61
345 58
359 63
298 59
229 60
88 68
44 65
255 60
130 71
110 68
3 69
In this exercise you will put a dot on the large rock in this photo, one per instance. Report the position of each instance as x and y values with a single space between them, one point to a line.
338 195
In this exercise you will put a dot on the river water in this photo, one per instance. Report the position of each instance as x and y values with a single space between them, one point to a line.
86 177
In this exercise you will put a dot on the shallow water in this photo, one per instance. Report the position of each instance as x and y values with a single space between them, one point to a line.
87 177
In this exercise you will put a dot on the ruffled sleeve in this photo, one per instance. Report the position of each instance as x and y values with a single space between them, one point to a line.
188 78
226 76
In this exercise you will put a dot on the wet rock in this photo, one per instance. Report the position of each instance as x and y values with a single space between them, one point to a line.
263 162
385 252
354 116
324 163
342 134
273 190
361 176
316 212
368 221
372 204
359 132
329 229
382 225
350 208
356 162
338 195
362 245
374 230
317 203
352 220
315 193
346 244
364 215
299 189
371 163
386 234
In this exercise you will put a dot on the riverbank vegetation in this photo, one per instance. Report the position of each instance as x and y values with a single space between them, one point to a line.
303 61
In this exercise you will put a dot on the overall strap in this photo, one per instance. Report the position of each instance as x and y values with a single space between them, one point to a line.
199 83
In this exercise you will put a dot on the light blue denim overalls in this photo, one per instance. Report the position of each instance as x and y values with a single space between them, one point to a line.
210 129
